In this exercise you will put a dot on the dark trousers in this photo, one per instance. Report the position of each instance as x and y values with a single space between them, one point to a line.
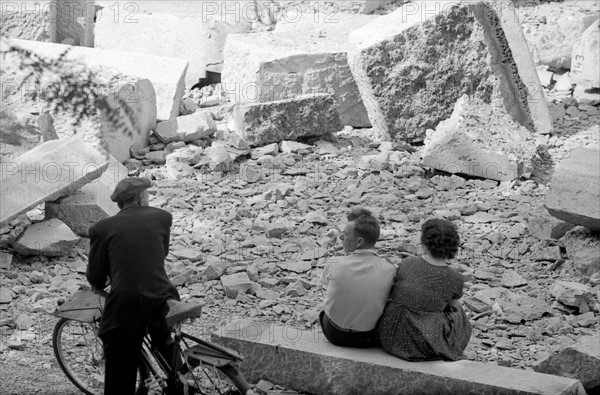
122 352
347 337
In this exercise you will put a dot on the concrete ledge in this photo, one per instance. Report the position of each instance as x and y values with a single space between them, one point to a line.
305 361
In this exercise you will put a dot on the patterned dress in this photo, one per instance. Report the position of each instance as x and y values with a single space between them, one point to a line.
417 323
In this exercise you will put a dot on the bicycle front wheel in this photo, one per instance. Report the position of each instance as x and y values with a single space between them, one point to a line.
223 380
80 355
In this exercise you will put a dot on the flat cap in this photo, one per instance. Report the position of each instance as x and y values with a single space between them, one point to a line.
129 187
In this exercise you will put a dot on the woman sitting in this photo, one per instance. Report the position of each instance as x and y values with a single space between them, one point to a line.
423 319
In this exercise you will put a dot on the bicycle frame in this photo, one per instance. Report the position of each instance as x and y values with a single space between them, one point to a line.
203 352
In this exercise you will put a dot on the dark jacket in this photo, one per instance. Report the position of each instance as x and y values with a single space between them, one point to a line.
130 249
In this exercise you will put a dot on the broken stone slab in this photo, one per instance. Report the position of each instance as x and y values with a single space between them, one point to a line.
586 57
581 361
289 119
586 95
49 238
552 30
480 139
188 253
272 351
269 149
575 189
292 147
571 293
511 279
236 283
544 226
409 85
294 60
6 259
583 246
45 173
91 203
194 32
186 128
165 73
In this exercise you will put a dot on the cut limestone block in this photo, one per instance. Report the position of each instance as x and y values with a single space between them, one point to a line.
73 22
91 203
305 116
186 128
70 22
551 29
480 140
575 189
586 58
130 111
298 58
581 361
412 65
48 238
194 32
31 21
274 353
166 74
47 172
582 247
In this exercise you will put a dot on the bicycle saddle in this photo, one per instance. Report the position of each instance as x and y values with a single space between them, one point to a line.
179 311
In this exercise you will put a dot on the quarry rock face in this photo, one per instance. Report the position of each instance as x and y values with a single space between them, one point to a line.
481 140
412 65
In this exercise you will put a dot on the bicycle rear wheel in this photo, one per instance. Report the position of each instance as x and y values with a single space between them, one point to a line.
80 355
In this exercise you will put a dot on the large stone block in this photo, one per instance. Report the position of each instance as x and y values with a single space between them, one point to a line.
275 353
480 140
581 361
166 74
47 172
272 122
186 127
552 29
586 58
575 189
69 22
412 65
299 57
49 238
195 32
28 21
91 203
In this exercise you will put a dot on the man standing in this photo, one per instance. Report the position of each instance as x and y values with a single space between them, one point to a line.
358 285
129 250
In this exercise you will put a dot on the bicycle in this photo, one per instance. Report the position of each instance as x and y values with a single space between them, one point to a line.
205 368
